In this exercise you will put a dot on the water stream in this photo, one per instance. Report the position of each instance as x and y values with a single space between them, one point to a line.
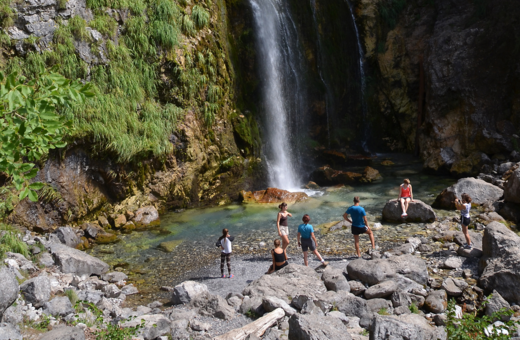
192 233
284 99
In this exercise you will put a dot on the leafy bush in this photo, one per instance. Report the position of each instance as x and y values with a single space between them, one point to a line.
473 326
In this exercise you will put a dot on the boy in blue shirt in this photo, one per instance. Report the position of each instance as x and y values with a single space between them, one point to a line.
359 224
308 240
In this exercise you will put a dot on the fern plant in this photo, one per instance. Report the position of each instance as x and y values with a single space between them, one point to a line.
200 16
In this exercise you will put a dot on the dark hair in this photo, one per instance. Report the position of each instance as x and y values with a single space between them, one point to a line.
356 199
306 219
277 243
282 205
466 198
406 180
224 233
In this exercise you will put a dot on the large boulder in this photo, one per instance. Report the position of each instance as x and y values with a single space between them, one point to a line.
437 301
512 187
155 325
64 333
371 272
77 262
9 332
480 191
8 289
412 267
344 302
495 304
316 327
272 195
215 306
271 303
381 290
500 263
67 236
37 290
287 283
59 306
403 327
146 217
418 211
188 291
335 280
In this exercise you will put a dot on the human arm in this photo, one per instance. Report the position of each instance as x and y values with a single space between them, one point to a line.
398 198
459 205
314 238
411 193
345 216
366 221
299 236
289 214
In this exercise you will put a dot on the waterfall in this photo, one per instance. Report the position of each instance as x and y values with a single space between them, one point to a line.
363 79
283 96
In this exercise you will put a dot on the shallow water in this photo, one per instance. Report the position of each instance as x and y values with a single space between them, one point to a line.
197 230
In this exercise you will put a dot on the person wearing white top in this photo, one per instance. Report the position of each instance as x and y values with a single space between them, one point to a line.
464 206
225 255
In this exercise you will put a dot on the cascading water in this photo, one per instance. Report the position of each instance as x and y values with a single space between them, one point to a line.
281 69
363 79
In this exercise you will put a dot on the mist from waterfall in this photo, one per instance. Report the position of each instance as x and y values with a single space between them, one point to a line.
283 96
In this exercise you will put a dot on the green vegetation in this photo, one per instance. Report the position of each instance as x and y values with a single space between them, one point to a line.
7 15
413 308
147 84
10 241
73 297
472 325
389 10
383 311
30 126
252 314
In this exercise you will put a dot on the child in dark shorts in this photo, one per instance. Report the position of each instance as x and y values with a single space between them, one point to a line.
307 240
359 224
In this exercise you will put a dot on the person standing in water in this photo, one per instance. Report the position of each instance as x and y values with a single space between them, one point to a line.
359 224
464 207
307 240
283 225
405 196
225 255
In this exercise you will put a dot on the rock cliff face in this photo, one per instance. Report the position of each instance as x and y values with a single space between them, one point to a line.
466 102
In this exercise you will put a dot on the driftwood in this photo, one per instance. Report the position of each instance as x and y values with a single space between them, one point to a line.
257 327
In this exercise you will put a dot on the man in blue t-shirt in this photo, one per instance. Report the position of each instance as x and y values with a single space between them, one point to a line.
359 224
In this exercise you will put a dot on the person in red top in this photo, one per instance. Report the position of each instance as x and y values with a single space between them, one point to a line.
405 196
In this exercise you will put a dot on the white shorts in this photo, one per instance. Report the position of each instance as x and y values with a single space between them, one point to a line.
284 230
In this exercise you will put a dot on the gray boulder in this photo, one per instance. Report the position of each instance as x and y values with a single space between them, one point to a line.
480 191
452 262
114 277
381 290
315 327
253 304
179 329
59 306
418 211
8 289
93 296
13 315
402 327
310 308
496 303
437 301
111 291
476 239
146 217
155 326
288 282
335 280
9 332
376 305
371 272
512 187
356 287
454 287
344 302
401 299
129 289
215 306
271 303
67 236
37 290
75 261
340 316
500 263
187 291
64 333
411 267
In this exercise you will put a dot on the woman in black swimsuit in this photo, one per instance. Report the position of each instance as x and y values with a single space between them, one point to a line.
279 258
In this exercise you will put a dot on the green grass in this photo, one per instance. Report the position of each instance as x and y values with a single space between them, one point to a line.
199 16
73 297
383 311
413 308
7 14
11 241
104 24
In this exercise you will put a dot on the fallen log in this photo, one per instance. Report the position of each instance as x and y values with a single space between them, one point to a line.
257 327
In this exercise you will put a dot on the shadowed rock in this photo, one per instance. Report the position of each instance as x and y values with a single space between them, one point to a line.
418 211
481 193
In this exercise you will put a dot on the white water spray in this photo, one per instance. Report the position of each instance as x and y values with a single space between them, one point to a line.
280 69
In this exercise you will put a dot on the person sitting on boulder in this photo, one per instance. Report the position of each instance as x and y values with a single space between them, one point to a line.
359 224
464 207
405 196
307 240
279 257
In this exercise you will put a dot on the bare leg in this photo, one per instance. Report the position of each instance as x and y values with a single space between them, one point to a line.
305 258
318 254
356 244
466 234
371 235
402 205
406 202
285 242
